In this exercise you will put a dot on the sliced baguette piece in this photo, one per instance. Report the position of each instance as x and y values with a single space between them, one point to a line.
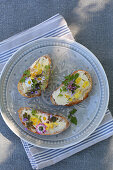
81 92
42 123
32 70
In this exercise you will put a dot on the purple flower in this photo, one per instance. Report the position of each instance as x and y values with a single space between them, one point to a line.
36 92
51 116
41 128
31 92
69 87
25 78
35 78
25 119
71 82
25 128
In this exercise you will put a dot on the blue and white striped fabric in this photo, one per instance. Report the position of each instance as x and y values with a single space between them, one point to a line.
39 157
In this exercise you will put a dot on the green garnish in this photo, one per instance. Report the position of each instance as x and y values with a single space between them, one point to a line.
70 78
25 115
40 118
22 80
72 111
64 88
29 124
69 116
25 74
47 67
28 117
53 119
74 120
60 94
34 111
60 90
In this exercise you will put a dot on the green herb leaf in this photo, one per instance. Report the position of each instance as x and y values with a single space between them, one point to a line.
40 118
69 116
53 119
25 115
72 111
60 90
64 88
76 76
74 120
22 80
47 67
77 85
27 73
60 94
34 111
29 124
28 117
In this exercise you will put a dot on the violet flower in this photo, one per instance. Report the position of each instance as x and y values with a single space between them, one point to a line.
41 128
36 92
25 119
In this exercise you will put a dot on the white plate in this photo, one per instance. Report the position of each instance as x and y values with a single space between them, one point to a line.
66 56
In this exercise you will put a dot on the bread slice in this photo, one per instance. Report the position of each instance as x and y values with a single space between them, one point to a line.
37 75
68 97
42 123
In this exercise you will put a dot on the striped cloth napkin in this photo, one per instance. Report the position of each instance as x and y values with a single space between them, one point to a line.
39 157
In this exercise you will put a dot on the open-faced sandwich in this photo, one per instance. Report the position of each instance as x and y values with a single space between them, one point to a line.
41 122
74 89
35 78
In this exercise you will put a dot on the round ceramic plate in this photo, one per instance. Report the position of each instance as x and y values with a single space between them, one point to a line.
67 56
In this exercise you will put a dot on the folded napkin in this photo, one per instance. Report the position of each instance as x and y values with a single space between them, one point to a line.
39 157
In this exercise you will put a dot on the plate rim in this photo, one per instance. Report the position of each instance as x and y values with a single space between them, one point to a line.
62 40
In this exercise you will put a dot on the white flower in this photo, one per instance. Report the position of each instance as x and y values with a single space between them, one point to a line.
28 82
44 118
40 79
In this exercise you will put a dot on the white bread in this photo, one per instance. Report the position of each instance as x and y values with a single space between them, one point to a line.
74 100
55 123
33 94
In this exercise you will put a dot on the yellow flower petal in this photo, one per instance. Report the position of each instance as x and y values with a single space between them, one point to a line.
70 99
77 95
85 84
78 80
67 96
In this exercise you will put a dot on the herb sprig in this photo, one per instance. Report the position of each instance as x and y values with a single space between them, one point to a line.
72 118
25 74
69 84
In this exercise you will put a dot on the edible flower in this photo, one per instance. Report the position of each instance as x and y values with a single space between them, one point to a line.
78 80
41 128
85 84
28 82
34 120
77 95
44 119
40 79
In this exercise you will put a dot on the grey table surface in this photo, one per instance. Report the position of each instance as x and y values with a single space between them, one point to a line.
91 23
